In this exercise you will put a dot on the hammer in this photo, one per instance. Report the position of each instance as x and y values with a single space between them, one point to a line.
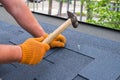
71 20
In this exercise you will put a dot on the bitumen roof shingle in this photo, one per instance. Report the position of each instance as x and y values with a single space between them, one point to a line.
85 57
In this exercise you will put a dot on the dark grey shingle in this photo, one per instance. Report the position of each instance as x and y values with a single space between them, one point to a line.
20 38
106 67
86 55
78 77
6 69
5 37
11 29
20 73
66 64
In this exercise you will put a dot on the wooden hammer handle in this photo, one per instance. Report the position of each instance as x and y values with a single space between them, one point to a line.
57 31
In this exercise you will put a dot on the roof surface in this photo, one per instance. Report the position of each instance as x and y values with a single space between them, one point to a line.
85 57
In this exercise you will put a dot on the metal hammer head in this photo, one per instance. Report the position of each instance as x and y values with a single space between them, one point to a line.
73 19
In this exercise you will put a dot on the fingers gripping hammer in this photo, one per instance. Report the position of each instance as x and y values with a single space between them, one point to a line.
71 20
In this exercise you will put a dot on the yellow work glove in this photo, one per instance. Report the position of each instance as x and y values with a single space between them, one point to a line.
59 41
33 50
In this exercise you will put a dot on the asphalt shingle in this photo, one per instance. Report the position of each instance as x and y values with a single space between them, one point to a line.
78 77
11 29
5 37
20 38
67 63
85 57
20 73
106 67
6 69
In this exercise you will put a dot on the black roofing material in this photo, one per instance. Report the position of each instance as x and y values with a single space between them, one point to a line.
5 37
6 69
20 73
85 57
21 38
11 29
67 64
78 77
106 67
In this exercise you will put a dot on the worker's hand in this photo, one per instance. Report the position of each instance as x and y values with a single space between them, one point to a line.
59 41
33 50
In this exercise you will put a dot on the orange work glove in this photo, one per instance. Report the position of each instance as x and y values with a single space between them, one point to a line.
59 41
33 50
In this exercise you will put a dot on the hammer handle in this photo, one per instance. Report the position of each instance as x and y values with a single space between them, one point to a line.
57 31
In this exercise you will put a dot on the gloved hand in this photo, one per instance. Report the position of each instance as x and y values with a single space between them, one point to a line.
59 41
33 50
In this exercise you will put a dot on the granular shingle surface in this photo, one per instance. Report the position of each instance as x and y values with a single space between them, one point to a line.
85 57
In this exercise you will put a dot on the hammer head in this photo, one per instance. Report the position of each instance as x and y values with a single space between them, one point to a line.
73 19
